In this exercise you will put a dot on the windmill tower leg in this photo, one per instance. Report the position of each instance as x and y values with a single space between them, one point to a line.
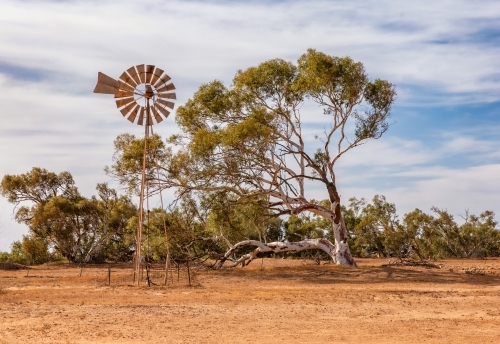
141 205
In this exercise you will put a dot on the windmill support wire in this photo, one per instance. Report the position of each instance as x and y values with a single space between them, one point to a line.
167 259
141 201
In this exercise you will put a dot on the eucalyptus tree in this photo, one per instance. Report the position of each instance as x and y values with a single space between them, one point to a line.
249 140
478 236
78 228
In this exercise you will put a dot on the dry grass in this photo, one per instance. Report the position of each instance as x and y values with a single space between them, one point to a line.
274 301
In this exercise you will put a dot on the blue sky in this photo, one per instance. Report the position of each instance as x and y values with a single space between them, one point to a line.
443 146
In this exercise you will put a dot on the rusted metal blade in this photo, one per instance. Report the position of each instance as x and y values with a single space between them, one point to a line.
163 79
124 102
141 118
133 114
165 103
157 115
125 87
166 88
124 94
149 73
125 111
156 75
127 79
164 111
167 95
103 88
107 80
133 74
142 73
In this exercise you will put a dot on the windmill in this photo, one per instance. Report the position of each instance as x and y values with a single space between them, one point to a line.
142 92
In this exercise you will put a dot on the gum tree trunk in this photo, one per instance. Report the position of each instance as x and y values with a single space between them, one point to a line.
338 252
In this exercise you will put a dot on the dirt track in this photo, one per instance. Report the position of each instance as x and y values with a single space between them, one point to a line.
274 301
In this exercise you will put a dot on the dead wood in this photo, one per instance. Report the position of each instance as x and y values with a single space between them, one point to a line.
413 262
12 266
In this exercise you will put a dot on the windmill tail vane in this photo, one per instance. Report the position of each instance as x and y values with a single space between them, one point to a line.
142 92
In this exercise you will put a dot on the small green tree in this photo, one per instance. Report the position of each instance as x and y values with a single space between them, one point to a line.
35 249
17 254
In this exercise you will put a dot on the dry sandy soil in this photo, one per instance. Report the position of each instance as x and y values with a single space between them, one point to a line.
270 301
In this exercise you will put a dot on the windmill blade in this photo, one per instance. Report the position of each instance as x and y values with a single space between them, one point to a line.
133 114
166 88
125 87
167 95
105 89
163 80
141 117
156 75
128 108
149 73
134 75
165 103
124 94
127 79
157 115
142 73
164 111
124 102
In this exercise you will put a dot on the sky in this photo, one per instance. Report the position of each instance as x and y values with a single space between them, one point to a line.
442 148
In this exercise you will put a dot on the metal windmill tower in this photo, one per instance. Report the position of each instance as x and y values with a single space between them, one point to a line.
142 92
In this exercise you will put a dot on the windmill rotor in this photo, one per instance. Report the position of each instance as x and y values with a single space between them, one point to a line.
144 94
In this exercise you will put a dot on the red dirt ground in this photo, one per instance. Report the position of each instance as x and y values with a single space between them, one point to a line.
270 301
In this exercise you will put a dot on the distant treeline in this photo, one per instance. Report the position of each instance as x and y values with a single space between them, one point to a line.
64 225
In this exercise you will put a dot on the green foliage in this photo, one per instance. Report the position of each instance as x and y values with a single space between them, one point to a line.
477 237
36 186
339 79
230 130
128 160
36 250
342 84
28 251
17 254
183 229
59 218
375 230
4 257
303 227
190 228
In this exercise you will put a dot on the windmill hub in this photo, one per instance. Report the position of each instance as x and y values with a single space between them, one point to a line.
149 93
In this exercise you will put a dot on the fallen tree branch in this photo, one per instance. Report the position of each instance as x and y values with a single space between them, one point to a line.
275 247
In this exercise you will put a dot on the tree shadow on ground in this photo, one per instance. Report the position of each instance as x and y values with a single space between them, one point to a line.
330 274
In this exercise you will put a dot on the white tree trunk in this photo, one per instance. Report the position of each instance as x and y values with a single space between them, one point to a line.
342 253
278 247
